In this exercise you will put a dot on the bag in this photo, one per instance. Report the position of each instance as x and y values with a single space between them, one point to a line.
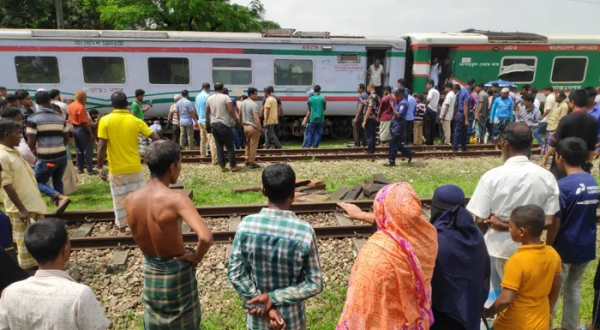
70 176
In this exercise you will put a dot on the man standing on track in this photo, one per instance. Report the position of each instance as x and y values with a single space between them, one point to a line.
82 131
316 117
220 122
561 110
138 111
398 125
386 113
170 294
482 112
360 139
118 134
431 114
462 116
250 119
174 119
447 114
501 115
271 118
369 123
201 108
187 115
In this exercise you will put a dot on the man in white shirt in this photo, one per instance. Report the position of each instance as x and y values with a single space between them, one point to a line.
500 190
57 100
549 106
431 114
434 71
51 299
376 74
447 114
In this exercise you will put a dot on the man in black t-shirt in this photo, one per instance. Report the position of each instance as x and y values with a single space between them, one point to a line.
577 124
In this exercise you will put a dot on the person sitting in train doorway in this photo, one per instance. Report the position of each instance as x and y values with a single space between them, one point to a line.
462 116
316 118
369 123
433 99
220 122
170 295
271 118
397 128
83 134
501 115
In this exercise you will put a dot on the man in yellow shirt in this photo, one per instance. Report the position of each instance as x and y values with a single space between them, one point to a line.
118 134
531 283
561 110
271 119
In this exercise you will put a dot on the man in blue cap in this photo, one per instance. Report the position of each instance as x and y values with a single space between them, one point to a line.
397 128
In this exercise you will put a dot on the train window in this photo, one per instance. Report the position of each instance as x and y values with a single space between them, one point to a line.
37 70
518 69
169 71
348 58
293 72
569 69
103 70
232 71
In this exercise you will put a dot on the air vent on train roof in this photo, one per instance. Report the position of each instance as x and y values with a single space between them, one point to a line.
512 37
64 34
315 35
278 33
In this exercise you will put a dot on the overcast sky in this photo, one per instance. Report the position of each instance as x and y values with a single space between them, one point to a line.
397 17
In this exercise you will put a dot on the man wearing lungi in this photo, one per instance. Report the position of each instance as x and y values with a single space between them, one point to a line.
170 295
118 134
501 115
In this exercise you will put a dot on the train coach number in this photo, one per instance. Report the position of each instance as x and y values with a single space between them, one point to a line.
510 47
310 47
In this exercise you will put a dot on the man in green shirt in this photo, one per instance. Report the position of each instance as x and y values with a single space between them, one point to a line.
315 115
138 111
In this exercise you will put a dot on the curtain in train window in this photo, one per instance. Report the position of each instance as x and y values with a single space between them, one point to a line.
169 71
103 70
569 69
518 69
232 71
37 70
293 72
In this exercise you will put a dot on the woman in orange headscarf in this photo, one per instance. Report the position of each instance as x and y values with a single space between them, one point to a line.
390 283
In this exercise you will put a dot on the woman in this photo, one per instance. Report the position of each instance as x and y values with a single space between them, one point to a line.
461 278
389 287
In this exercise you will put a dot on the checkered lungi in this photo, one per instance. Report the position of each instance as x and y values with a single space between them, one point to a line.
384 131
170 295
19 226
142 145
549 136
499 127
122 185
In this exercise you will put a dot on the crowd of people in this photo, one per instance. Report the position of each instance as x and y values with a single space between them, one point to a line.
485 258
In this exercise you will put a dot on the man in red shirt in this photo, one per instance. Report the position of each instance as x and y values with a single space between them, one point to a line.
385 116
82 131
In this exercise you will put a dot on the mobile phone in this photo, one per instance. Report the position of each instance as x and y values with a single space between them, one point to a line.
150 103
254 306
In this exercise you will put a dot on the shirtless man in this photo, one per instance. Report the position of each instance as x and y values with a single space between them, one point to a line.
155 216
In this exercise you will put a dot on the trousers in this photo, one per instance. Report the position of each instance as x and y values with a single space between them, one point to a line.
360 139
252 137
84 146
315 132
408 133
538 133
203 139
460 133
224 138
175 134
371 134
446 129
429 126
397 128
570 281
186 131
46 171
418 133
270 137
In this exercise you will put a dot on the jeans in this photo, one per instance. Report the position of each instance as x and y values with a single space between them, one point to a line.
538 133
371 133
570 280
84 145
429 126
271 137
236 138
360 139
315 131
186 131
305 140
44 171
224 137
460 133
398 127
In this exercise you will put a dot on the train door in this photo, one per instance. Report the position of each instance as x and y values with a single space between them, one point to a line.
441 54
378 53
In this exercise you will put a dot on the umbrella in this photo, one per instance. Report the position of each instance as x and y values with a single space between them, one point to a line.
502 83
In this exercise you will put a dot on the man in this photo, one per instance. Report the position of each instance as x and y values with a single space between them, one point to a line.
410 120
376 74
118 134
12 100
536 103
250 119
370 118
220 122
528 114
3 92
82 131
445 73
562 109
58 101
482 112
360 139
516 183
594 110
274 260
271 118
170 294
462 116
447 114
434 71
578 124
316 117
138 111
501 115
397 128
25 103
51 299
156 127
187 115
237 139
47 137
433 99
385 115
204 136
525 89
23 149
174 119
549 106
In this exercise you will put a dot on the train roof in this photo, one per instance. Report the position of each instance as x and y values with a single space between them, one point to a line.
477 37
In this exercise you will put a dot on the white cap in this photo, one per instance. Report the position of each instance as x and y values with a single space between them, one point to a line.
177 97
505 90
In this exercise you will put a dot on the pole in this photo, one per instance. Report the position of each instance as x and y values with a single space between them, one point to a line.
59 15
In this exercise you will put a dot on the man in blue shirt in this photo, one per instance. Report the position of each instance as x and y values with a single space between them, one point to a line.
410 119
594 110
462 117
397 128
360 139
573 231
501 115
187 115
201 108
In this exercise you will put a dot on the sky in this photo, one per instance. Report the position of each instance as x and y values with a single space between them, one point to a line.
398 17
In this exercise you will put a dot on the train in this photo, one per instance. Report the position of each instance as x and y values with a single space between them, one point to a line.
164 63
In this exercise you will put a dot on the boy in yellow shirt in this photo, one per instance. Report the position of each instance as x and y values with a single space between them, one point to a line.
531 283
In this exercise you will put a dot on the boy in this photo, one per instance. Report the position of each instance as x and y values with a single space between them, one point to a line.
170 296
274 260
573 231
531 283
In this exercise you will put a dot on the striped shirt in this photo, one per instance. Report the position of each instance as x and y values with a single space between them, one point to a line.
275 252
50 129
